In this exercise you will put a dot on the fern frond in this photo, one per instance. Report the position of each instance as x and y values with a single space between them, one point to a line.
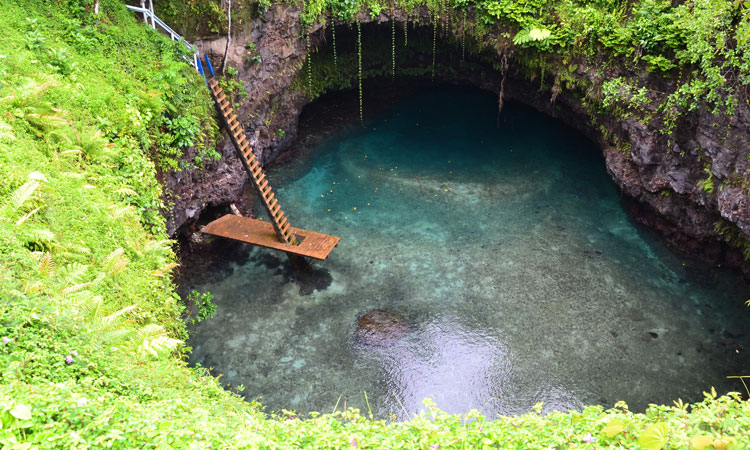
126 190
118 267
151 330
23 193
27 216
161 245
119 313
115 262
117 335
46 266
165 269
120 212
74 272
75 288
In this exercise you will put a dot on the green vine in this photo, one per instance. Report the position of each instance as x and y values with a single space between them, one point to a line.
333 34
309 62
434 43
463 36
393 49
359 71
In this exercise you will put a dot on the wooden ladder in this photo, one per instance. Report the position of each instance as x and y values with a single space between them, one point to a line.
255 171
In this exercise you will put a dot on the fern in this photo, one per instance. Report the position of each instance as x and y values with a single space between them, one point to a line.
155 341
117 314
126 191
23 194
116 262
528 35
46 267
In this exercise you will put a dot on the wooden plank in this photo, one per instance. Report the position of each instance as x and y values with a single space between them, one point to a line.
258 232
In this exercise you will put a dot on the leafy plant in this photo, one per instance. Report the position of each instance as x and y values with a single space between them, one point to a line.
707 184
203 303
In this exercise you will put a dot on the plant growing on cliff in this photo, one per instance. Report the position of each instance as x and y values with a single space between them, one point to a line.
707 184
204 306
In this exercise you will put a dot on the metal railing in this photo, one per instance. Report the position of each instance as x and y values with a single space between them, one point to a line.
172 34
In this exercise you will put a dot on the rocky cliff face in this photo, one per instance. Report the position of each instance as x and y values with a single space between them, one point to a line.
666 175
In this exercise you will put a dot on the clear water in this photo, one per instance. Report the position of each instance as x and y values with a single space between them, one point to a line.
508 258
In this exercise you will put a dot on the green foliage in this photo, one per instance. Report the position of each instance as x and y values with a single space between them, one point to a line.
202 301
707 184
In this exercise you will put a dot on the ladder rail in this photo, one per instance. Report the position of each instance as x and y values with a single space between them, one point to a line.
256 177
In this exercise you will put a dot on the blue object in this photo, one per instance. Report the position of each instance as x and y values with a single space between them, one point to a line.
200 67
210 67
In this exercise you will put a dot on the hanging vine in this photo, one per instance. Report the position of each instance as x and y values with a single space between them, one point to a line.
406 31
501 96
359 71
333 34
309 64
434 43
393 50
463 36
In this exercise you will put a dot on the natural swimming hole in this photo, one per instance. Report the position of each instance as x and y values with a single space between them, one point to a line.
501 265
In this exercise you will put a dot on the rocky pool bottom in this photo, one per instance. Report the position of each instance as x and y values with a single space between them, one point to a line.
483 266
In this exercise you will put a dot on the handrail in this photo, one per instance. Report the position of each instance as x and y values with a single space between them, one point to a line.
172 34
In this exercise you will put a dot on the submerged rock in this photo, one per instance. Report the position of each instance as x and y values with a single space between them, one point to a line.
380 327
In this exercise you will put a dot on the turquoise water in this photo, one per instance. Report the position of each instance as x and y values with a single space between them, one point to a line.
507 258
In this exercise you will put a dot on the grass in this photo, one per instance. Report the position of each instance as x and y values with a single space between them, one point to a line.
91 329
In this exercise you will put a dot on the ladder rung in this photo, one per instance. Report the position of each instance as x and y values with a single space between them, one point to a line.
262 186
221 98
238 135
236 124
261 178
271 199
253 165
223 106
248 154
282 220
240 138
257 173
213 83
285 228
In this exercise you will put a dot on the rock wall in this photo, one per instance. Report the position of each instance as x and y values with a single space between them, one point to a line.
662 173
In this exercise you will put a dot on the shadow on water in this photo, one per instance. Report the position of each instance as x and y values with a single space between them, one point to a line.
483 267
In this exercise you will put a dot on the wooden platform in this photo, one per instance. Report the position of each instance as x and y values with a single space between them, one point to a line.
258 232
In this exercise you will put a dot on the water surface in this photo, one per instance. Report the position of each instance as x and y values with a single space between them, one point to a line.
505 251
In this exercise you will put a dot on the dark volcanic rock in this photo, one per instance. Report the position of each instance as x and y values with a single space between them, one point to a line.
662 172
381 328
